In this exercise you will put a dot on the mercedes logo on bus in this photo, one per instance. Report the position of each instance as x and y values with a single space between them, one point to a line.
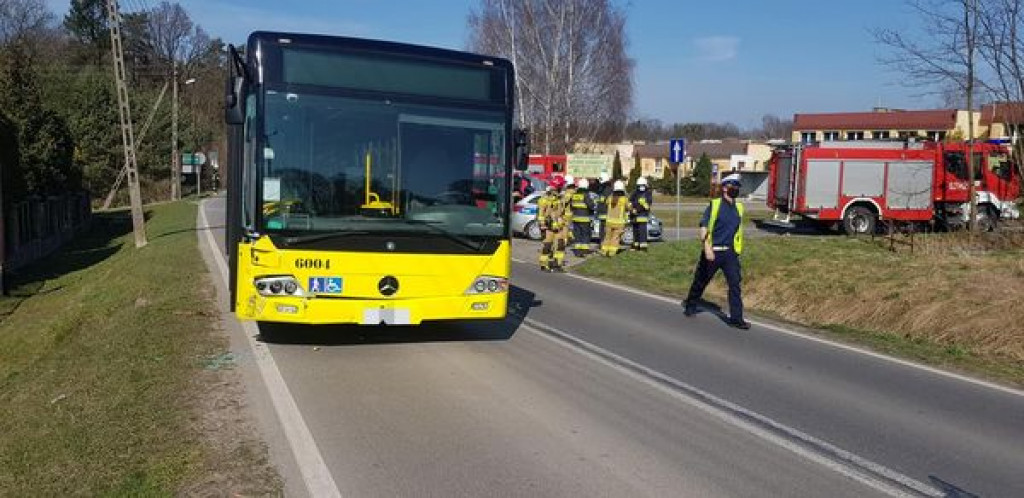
388 285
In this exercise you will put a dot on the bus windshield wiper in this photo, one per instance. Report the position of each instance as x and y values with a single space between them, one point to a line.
454 237
315 237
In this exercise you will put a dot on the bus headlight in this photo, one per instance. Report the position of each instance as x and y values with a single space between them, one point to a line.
278 286
488 285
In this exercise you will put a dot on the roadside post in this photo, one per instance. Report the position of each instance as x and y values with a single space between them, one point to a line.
677 151
711 183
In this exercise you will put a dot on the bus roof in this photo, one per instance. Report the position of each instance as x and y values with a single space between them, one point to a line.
370 45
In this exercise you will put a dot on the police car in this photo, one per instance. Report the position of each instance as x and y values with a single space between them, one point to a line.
524 222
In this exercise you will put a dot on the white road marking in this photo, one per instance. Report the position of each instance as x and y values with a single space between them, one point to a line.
867 472
317 477
820 340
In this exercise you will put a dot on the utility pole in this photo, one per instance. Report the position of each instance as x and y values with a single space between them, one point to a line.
175 154
142 136
127 135
971 23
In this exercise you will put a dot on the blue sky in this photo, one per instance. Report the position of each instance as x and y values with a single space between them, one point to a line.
731 60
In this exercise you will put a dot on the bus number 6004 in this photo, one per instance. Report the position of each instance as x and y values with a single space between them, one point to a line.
315 264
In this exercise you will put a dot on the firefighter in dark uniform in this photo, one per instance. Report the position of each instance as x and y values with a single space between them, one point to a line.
551 218
604 191
582 206
640 206
721 230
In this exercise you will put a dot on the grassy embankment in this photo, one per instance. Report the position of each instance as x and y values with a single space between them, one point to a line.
950 303
101 346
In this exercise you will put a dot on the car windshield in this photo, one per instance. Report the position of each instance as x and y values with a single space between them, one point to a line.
341 165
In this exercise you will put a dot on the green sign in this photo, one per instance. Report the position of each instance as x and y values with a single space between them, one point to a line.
192 158
589 165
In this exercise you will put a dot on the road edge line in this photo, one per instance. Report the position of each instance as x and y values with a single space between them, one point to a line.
850 465
308 459
809 337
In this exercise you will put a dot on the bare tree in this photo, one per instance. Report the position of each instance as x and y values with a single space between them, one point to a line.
573 73
21 18
174 38
773 126
943 57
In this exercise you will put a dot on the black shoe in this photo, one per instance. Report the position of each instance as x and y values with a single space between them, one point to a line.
558 269
545 269
739 324
689 309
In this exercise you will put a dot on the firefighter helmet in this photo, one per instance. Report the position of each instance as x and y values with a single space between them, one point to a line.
557 182
641 181
619 186
570 181
604 177
583 183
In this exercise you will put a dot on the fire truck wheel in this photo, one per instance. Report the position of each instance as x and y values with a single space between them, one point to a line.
987 219
859 220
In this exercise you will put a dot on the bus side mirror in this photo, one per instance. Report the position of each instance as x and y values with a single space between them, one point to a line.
522 149
234 113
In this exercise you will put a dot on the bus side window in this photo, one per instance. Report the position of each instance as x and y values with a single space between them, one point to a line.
248 162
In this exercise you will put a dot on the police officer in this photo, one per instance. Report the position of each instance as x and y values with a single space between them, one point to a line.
617 216
640 206
582 207
721 230
551 219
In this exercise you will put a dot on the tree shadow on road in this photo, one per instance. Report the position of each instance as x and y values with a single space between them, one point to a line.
520 301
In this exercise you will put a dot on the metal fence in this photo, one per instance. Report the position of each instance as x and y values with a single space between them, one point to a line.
37 227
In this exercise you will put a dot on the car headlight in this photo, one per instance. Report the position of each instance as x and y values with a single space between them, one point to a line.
285 285
488 285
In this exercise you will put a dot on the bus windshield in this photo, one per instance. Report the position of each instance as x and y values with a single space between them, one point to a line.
334 164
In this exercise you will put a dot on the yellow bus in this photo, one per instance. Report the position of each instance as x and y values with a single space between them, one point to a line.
369 181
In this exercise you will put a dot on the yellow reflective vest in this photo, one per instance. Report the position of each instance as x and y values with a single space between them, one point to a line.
737 240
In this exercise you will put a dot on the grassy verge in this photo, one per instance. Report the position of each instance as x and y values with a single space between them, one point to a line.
950 304
100 347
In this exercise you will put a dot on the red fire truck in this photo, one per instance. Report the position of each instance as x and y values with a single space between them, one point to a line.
544 166
855 184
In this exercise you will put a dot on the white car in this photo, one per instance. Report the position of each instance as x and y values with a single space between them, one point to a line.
524 222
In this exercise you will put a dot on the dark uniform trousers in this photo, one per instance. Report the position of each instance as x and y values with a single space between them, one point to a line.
640 232
729 262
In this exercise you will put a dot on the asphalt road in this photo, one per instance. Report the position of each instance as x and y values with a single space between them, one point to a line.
588 390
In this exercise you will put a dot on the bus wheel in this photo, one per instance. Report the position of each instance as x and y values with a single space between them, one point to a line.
859 220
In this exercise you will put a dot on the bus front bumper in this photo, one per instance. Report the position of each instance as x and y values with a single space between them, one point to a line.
411 311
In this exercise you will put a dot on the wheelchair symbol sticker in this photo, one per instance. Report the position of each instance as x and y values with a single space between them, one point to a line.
325 285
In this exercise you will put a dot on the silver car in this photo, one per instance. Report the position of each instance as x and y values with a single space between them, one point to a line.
524 222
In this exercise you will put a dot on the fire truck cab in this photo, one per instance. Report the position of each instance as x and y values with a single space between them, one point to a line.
855 184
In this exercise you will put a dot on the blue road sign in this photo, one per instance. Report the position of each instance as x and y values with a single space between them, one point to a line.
677 150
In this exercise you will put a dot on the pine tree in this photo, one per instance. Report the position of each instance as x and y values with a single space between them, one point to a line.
87 23
700 183
617 168
634 174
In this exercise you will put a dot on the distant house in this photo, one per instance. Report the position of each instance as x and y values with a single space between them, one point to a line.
1003 120
884 124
